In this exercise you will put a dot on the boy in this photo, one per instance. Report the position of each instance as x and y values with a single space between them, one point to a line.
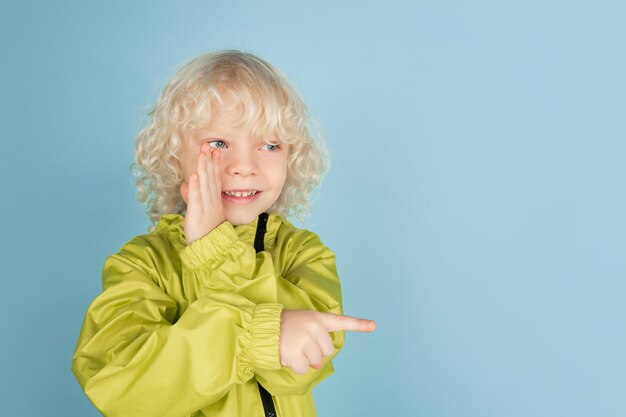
225 308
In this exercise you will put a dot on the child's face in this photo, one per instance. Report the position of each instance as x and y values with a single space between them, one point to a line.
246 164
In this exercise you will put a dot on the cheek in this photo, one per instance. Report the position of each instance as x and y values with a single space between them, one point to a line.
275 169
281 172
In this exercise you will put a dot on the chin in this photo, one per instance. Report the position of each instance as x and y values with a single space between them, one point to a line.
237 219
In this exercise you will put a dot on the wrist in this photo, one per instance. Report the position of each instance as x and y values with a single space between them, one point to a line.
265 336
212 244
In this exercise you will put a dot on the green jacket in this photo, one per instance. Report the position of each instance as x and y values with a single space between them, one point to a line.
188 330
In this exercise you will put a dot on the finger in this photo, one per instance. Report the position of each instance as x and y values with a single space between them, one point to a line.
203 181
335 323
193 193
218 180
326 344
299 364
210 170
313 353
214 177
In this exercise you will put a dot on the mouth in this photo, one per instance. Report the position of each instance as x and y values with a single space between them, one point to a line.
240 193
240 196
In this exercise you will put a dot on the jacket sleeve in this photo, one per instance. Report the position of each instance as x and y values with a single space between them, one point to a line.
309 281
138 356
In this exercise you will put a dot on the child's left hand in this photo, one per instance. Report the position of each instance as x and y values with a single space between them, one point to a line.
305 339
203 195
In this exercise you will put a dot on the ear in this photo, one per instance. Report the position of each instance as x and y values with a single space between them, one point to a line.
184 190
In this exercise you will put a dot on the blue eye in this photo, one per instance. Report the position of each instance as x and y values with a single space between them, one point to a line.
272 146
218 144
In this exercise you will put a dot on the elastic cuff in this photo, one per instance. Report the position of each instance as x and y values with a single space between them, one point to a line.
213 244
265 335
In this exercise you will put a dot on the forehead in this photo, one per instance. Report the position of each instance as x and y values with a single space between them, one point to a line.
234 125
222 127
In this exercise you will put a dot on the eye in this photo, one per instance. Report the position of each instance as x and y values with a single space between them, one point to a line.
271 146
217 144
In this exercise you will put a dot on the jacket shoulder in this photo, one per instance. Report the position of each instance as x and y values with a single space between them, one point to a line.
155 254
295 237
296 246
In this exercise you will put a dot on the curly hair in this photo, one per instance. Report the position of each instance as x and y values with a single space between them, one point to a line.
248 87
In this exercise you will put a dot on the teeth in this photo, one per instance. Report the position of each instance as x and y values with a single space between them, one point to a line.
240 194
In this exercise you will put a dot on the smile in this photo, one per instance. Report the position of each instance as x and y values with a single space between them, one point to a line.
240 197
240 193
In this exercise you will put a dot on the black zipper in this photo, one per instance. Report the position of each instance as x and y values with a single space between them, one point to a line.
259 246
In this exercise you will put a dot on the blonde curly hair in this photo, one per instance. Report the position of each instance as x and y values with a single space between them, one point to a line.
251 88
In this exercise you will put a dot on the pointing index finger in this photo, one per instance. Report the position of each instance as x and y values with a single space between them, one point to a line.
335 323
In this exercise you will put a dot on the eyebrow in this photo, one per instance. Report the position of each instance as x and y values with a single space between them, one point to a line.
214 136
210 136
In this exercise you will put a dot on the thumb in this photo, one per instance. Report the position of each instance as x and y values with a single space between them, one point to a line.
335 323
184 191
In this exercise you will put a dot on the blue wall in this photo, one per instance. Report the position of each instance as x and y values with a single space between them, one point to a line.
476 198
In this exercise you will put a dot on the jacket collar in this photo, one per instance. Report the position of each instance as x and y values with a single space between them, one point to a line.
245 232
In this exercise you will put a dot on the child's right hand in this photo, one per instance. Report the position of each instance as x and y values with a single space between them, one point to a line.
203 195
304 338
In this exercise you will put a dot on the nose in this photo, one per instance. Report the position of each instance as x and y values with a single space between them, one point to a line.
241 162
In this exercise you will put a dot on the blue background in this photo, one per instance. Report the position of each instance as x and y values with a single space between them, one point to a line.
475 202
